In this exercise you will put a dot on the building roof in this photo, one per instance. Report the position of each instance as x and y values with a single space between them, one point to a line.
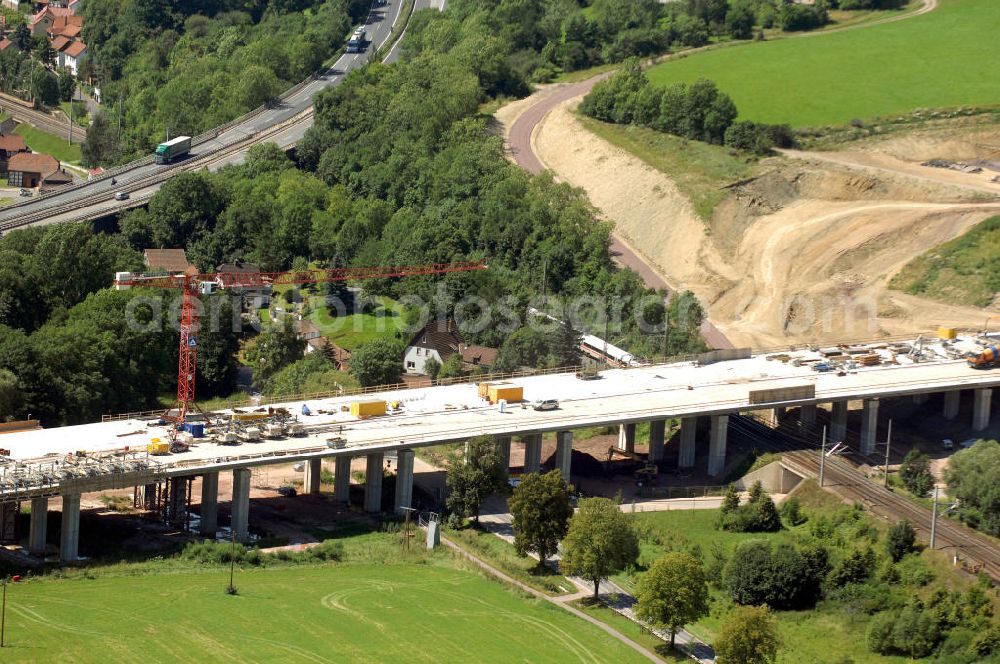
241 275
71 30
12 143
478 355
60 42
57 177
441 336
53 13
33 162
173 261
308 329
75 49
5 43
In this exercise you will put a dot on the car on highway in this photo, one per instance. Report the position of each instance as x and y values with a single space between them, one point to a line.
121 196
25 192
545 404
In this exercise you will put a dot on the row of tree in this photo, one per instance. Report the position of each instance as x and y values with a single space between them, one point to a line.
699 111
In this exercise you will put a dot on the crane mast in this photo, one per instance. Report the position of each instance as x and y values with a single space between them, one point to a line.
187 358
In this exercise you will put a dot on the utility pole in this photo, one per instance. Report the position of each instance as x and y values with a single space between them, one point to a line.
888 442
545 269
934 515
232 565
822 458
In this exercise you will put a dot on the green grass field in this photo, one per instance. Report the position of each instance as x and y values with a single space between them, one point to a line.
352 330
331 613
39 141
700 170
965 270
945 58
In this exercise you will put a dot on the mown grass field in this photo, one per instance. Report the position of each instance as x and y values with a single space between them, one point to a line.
965 270
54 146
331 613
946 58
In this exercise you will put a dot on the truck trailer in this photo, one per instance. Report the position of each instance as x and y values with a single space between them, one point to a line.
175 147
356 44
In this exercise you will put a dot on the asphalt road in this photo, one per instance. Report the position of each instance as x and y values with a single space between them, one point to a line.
524 154
96 198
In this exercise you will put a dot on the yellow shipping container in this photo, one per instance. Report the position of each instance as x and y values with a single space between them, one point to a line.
947 333
368 408
506 391
250 417
484 390
158 447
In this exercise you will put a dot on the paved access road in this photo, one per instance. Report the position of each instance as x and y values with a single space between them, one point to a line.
96 198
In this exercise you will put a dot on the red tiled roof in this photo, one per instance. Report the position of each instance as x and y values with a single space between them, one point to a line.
33 162
72 31
75 49
4 43
478 355
168 260
60 42
12 143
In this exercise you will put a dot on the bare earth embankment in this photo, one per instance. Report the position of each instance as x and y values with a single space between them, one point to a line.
804 251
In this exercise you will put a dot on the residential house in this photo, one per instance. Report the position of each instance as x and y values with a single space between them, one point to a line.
442 340
73 56
308 330
169 261
244 279
42 22
26 169
10 145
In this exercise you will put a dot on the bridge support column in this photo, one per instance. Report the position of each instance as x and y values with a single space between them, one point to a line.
564 452
657 438
689 426
39 522
342 479
503 442
69 542
532 453
209 504
838 421
869 426
952 400
920 398
404 480
981 409
373 482
240 508
177 499
807 415
717 445
314 469
626 437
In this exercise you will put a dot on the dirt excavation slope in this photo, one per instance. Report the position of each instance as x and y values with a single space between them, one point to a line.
802 253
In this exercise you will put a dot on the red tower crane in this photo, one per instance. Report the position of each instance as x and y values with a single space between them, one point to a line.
193 285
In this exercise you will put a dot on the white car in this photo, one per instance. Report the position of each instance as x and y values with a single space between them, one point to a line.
545 404
121 196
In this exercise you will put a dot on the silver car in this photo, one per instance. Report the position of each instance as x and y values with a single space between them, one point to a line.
545 404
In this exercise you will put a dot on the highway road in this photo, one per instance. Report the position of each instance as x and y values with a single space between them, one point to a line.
455 413
284 124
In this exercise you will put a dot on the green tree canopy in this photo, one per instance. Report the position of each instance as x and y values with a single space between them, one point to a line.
600 542
673 592
378 362
749 635
472 480
541 511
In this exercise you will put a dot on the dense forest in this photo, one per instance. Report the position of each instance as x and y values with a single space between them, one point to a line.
399 168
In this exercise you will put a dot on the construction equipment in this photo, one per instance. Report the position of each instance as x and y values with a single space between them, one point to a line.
494 392
336 443
590 373
193 285
989 357
158 447
647 474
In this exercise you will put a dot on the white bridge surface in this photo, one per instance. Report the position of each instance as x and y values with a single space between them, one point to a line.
454 413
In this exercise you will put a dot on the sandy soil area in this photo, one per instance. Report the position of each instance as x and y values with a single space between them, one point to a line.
803 253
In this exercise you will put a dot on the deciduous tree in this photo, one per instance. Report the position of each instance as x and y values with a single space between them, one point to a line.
541 511
673 592
600 542
749 635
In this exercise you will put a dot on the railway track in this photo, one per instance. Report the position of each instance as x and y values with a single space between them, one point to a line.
41 120
977 550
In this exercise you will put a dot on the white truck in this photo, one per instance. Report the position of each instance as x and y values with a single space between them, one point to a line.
356 44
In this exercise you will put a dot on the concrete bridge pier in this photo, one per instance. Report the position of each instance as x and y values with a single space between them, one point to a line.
981 408
404 480
952 400
240 509
838 421
657 438
38 525
373 482
869 426
209 504
689 426
807 415
564 452
314 469
342 479
177 498
626 437
69 542
533 453
717 445
503 442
